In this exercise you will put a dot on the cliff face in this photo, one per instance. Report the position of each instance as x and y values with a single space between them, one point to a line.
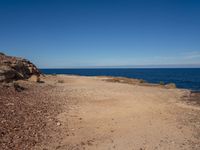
14 68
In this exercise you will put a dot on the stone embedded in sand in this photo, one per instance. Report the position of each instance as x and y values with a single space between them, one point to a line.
17 87
170 86
58 124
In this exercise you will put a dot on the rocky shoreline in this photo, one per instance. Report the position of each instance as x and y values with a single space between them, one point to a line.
193 97
39 115
137 82
25 115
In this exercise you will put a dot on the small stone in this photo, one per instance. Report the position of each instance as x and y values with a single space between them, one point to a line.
10 104
58 124
170 86
17 87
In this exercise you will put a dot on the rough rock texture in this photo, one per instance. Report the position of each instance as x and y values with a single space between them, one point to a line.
137 82
14 68
170 86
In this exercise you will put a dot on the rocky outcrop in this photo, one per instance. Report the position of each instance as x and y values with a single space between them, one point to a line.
170 86
14 68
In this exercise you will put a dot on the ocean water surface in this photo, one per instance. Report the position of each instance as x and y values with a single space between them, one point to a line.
188 78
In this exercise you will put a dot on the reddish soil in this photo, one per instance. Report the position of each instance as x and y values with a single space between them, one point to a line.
78 113
24 115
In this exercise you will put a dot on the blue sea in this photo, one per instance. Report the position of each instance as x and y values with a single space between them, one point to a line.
188 78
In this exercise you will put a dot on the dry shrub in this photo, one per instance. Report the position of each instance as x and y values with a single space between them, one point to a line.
61 81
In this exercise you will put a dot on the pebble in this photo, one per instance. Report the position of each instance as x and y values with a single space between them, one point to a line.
10 104
58 123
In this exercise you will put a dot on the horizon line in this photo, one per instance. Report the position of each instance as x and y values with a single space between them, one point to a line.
186 66
120 68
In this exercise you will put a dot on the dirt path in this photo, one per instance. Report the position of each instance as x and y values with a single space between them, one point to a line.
100 115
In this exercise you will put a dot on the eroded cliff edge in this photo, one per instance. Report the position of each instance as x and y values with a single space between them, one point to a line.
15 68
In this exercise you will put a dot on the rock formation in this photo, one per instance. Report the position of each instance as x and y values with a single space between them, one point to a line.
14 68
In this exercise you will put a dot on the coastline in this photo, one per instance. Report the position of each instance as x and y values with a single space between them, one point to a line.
66 112
100 75
192 96
183 78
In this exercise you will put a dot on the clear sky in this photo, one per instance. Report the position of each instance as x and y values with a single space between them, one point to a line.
82 33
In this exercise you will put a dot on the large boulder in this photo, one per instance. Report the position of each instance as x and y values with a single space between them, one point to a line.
6 73
14 68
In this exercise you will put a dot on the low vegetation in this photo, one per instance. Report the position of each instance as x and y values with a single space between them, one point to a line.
61 81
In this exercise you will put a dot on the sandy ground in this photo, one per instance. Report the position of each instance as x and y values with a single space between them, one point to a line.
93 114
100 115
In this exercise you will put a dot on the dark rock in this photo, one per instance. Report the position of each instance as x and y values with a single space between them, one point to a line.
14 68
18 88
6 73
2 53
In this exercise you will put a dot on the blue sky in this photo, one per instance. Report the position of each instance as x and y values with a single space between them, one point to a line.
92 33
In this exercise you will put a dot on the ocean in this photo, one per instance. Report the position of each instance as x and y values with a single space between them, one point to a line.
187 78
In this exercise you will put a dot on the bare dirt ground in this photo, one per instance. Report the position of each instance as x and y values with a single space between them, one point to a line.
93 114
25 115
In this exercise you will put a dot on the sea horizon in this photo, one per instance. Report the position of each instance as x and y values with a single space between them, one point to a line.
121 68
